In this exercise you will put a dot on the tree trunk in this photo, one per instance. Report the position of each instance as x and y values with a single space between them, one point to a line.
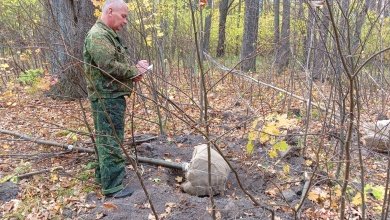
309 29
379 7
361 17
174 31
207 28
372 5
223 10
251 30
238 24
284 52
69 21
319 61
276 25
300 9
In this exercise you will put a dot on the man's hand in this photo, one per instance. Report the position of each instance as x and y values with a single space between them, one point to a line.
138 78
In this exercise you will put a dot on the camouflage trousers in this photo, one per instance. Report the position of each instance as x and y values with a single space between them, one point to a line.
108 117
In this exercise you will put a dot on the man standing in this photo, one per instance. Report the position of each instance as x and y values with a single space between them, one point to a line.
109 79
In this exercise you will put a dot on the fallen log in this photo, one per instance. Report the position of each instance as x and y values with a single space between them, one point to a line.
69 147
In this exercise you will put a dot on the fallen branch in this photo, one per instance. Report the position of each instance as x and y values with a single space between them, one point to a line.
45 142
15 178
26 175
140 141
157 162
34 156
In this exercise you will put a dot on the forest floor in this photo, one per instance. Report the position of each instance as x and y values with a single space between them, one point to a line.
69 192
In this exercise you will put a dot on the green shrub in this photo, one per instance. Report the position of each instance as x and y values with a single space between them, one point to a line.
30 77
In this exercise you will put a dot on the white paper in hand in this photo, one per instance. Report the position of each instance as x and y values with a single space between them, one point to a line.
147 70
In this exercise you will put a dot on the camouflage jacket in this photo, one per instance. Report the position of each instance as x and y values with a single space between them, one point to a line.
107 72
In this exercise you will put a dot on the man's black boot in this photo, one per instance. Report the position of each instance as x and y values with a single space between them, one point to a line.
125 192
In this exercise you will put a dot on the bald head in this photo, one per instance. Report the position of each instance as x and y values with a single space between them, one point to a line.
112 4
114 14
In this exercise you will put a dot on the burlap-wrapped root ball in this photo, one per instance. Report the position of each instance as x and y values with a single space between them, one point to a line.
197 173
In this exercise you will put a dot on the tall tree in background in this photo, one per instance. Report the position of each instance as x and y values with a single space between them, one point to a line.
360 19
319 60
343 35
251 31
174 37
379 6
284 52
207 27
276 25
238 25
223 11
69 22
310 22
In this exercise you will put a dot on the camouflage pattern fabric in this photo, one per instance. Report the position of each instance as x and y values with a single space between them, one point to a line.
108 73
109 78
108 117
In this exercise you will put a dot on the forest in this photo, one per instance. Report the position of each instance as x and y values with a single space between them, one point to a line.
287 97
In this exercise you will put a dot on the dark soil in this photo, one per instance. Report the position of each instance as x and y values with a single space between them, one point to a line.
169 200
8 191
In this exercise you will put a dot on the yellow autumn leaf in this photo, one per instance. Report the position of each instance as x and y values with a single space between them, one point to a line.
254 124
286 169
4 66
43 84
264 137
273 153
283 122
272 141
308 162
5 146
160 34
148 26
251 137
131 6
149 40
271 129
312 196
317 195
357 199
281 146
97 13
378 208
53 177
147 5
337 192
74 138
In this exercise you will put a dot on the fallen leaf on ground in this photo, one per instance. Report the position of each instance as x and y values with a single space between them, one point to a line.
179 179
109 205
100 215
317 195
